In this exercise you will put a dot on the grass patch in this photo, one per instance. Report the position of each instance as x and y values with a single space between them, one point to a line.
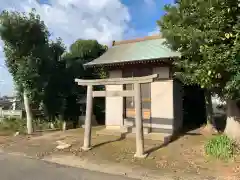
43 124
220 147
12 125
9 126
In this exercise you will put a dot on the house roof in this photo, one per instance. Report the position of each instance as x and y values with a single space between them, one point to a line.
5 103
136 50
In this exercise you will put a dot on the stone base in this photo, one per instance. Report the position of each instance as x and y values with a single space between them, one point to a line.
113 127
122 131
86 149
110 132
143 156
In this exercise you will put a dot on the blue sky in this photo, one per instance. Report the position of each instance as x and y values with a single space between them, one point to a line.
104 20
144 15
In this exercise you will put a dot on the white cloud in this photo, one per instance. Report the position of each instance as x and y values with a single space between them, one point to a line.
150 2
104 20
156 31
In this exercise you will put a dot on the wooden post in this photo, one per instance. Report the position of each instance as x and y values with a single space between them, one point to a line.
139 123
87 126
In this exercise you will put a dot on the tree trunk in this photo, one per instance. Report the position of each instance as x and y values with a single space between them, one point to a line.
64 123
210 127
209 108
52 126
232 128
29 114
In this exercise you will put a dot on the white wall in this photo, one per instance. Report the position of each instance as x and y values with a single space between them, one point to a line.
114 105
162 99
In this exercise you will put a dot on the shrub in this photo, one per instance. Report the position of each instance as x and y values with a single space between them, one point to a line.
44 124
220 147
13 125
58 124
40 124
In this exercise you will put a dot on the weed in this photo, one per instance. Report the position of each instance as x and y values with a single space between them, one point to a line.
220 147
12 125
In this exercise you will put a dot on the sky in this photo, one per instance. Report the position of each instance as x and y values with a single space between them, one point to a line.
104 20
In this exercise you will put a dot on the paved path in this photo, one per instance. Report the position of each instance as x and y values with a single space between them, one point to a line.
20 168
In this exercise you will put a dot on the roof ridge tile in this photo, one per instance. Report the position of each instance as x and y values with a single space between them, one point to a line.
146 38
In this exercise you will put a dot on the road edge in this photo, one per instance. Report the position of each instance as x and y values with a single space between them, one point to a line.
112 169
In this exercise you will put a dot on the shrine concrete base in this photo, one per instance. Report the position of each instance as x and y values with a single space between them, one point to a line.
124 132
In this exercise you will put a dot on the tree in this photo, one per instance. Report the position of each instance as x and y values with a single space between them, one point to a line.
81 52
61 93
53 75
207 35
25 39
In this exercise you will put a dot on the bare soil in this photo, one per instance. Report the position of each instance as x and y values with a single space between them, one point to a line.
185 154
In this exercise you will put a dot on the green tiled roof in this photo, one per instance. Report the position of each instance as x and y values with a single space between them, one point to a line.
135 51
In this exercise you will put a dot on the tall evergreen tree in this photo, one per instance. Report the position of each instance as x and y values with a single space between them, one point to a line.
207 35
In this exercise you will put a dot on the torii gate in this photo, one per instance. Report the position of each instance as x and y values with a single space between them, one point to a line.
136 93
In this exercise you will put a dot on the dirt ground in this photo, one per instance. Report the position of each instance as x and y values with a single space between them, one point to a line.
182 155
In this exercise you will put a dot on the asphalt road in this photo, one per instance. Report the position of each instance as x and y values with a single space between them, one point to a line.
20 168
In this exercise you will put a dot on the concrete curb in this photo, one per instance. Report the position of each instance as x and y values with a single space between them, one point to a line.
113 169
105 168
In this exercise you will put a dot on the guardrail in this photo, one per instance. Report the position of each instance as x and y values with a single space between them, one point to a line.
11 113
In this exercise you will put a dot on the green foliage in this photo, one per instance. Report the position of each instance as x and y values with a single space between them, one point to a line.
207 35
86 50
62 92
220 147
25 39
54 74
42 124
12 125
42 68
58 123
81 51
31 58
